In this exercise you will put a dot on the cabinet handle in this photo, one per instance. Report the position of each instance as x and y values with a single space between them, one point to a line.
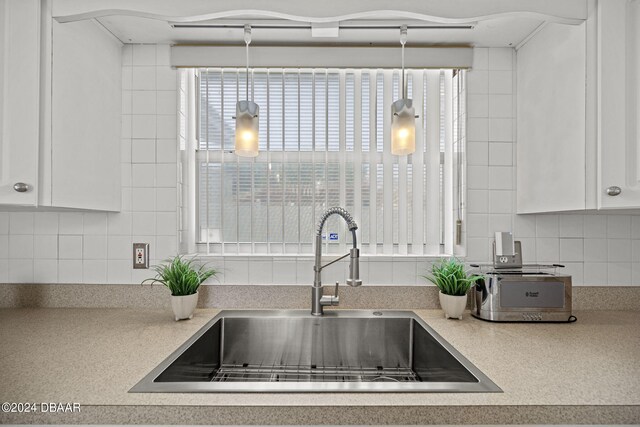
613 191
21 187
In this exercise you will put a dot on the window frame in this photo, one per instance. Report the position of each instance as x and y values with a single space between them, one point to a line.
372 157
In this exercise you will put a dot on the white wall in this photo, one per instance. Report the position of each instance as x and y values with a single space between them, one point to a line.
96 248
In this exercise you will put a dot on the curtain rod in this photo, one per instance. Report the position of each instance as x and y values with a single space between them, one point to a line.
347 27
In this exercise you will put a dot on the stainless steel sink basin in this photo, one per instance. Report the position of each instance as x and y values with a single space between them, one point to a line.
292 351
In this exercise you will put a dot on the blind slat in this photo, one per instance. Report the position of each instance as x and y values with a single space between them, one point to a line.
324 140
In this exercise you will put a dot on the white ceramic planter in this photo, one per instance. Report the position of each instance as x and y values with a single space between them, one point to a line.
183 306
453 305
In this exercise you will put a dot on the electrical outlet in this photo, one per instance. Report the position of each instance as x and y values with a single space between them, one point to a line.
140 255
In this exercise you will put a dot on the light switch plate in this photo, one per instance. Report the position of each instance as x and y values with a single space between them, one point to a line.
140 255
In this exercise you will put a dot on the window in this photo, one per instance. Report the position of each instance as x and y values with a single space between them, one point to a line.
323 135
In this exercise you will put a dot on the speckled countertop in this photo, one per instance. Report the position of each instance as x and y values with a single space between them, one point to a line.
584 372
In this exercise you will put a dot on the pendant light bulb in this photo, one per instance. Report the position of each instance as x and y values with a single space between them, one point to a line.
403 115
247 115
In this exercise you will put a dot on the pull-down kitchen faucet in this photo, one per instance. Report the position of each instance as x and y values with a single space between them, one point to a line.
318 301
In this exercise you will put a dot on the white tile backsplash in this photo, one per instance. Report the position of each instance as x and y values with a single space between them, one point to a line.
619 273
95 223
501 178
119 271
45 246
547 226
4 246
500 106
143 126
618 227
619 250
595 250
143 102
4 222
21 223
94 271
20 246
284 272
477 129
119 224
71 223
595 226
70 247
501 130
45 270
20 271
92 247
143 78
571 225
500 58
70 270
547 249
143 199
477 153
478 105
143 175
143 151
500 82
144 55
500 154
571 250
525 226
477 83
46 223
119 247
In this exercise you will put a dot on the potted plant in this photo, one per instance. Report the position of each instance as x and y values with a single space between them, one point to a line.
182 278
453 282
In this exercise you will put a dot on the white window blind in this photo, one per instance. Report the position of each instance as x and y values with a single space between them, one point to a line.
324 141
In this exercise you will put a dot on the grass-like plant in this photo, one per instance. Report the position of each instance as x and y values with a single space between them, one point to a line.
181 276
450 277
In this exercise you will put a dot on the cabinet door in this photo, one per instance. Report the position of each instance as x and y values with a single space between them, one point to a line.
618 97
19 100
551 120
86 107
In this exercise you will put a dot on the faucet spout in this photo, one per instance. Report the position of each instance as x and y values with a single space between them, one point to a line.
317 300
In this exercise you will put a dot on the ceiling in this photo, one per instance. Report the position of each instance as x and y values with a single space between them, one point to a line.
502 31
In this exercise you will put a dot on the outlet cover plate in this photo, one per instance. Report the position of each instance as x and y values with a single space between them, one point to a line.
140 255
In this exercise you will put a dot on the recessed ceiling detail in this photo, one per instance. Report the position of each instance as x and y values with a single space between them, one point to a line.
374 27
374 14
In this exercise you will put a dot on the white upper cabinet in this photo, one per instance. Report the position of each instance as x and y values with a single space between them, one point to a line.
59 111
618 102
19 101
551 120
577 114
85 121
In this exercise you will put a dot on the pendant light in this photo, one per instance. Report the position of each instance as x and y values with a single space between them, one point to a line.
247 115
403 118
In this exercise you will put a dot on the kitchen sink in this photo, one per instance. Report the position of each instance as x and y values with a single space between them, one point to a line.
293 351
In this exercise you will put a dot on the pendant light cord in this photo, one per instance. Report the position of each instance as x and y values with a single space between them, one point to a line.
247 40
403 40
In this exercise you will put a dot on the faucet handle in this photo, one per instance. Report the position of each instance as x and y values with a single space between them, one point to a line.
334 300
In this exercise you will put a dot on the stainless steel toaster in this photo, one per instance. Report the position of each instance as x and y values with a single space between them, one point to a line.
514 292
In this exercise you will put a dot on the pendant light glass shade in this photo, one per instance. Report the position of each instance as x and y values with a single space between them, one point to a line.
247 128
403 115
403 127
247 120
